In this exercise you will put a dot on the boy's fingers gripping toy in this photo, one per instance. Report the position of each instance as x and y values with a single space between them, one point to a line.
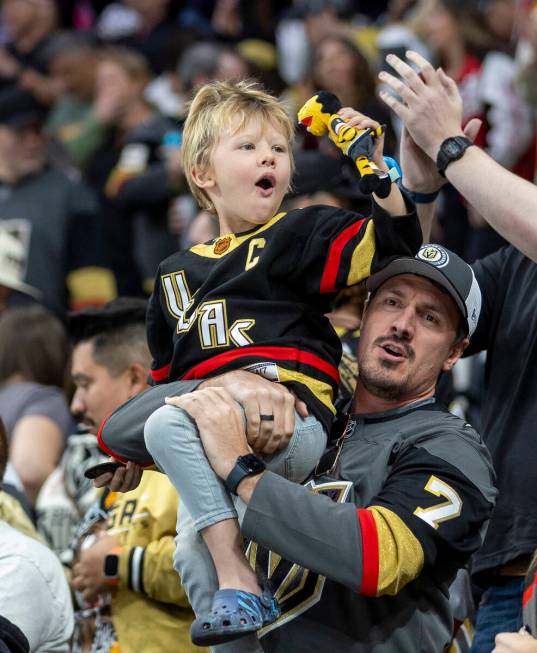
319 115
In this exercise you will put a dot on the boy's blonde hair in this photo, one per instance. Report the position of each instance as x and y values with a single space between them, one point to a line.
216 109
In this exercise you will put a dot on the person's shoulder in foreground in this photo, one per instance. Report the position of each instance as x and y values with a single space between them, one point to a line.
39 602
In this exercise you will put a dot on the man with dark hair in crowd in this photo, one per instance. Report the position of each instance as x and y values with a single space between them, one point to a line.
132 556
54 217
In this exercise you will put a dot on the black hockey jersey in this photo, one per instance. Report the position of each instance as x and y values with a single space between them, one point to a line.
257 300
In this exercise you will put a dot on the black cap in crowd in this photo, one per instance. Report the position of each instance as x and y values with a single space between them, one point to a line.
445 268
19 109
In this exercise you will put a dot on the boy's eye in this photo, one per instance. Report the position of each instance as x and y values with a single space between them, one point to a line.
247 146
279 148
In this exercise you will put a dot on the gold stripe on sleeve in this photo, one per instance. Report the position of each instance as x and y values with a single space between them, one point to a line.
322 391
360 267
400 554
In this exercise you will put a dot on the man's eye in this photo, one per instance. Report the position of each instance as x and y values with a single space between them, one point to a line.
430 318
390 301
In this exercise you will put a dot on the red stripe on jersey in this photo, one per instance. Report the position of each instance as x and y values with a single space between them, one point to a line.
328 280
529 591
161 374
113 454
370 553
103 446
271 353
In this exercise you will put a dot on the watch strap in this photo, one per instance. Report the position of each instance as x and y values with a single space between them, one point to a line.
242 469
419 198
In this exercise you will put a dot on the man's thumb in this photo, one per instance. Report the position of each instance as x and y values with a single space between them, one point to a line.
472 128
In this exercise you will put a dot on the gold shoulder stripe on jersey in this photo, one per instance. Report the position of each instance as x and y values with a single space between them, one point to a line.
210 250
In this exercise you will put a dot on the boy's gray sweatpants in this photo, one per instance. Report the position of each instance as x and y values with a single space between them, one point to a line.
173 441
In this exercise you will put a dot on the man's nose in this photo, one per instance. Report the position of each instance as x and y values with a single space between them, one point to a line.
78 405
404 323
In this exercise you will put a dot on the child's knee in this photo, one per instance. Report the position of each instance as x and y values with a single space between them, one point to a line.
161 425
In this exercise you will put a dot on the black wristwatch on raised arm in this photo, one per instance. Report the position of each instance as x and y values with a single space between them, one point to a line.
452 149
248 465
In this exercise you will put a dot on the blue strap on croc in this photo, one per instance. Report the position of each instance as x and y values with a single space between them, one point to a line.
233 614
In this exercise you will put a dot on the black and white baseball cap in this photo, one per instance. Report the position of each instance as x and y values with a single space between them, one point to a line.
444 268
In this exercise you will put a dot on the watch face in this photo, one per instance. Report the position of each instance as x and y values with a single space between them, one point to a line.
252 463
111 565
452 148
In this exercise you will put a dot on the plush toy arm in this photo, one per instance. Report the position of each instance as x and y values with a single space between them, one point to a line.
319 116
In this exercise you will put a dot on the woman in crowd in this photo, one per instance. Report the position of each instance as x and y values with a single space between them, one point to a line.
34 352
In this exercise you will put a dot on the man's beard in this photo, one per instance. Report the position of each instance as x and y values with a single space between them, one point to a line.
381 385
376 378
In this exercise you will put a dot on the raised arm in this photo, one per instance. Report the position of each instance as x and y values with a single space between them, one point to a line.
430 107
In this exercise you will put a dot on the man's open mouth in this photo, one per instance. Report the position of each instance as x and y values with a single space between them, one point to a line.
394 349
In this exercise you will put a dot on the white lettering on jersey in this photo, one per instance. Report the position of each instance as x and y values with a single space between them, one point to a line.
178 299
449 509
212 324
238 334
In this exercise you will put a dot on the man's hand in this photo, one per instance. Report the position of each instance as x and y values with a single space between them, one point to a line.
430 105
515 643
258 396
220 425
88 571
419 170
124 479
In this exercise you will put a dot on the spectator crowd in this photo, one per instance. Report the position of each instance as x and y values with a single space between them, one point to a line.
416 529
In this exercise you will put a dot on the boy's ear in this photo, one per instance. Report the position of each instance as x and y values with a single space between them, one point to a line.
203 178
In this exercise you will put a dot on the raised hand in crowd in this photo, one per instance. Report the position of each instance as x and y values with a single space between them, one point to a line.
430 107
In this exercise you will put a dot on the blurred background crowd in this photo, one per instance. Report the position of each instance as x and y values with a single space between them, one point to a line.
93 96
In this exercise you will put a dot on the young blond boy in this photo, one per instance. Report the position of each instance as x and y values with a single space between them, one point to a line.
254 299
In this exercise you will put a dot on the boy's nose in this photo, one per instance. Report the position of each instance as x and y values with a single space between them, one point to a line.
267 158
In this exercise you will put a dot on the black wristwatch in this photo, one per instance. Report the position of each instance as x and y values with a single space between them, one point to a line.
451 150
111 566
249 465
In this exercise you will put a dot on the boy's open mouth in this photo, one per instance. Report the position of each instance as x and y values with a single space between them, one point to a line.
266 182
